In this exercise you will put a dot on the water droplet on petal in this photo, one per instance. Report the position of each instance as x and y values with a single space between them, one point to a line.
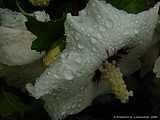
82 29
56 97
101 28
126 33
93 4
79 105
136 31
63 113
109 24
56 76
94 49
93 40
136 21
73 106
100 17
48 73
63 56
80 46
78 60
82 88
68 75
99 36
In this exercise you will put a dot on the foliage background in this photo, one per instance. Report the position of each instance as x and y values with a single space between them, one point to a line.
16 104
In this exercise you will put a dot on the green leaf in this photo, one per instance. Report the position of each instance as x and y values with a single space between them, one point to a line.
131 6
10 104
47 32
10 4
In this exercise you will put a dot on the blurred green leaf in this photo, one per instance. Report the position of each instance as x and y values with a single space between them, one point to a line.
47 32
10 4
131 6
10 104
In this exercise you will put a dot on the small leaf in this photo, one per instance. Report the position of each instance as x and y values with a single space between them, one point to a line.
10 104
131 6
10 4
47 32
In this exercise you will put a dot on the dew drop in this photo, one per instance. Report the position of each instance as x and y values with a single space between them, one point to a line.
82 88
95 26
80 46
63 113
126 33
109 24
93 40
80 100
73 106
78 60
56 97
68 75
82 29
79 105
48 73
94 49
99 36
100 17
101 28
93 4
56 76
63 56
136 31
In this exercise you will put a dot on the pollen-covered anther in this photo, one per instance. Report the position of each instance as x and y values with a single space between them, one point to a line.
51 56
40 2
113 75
